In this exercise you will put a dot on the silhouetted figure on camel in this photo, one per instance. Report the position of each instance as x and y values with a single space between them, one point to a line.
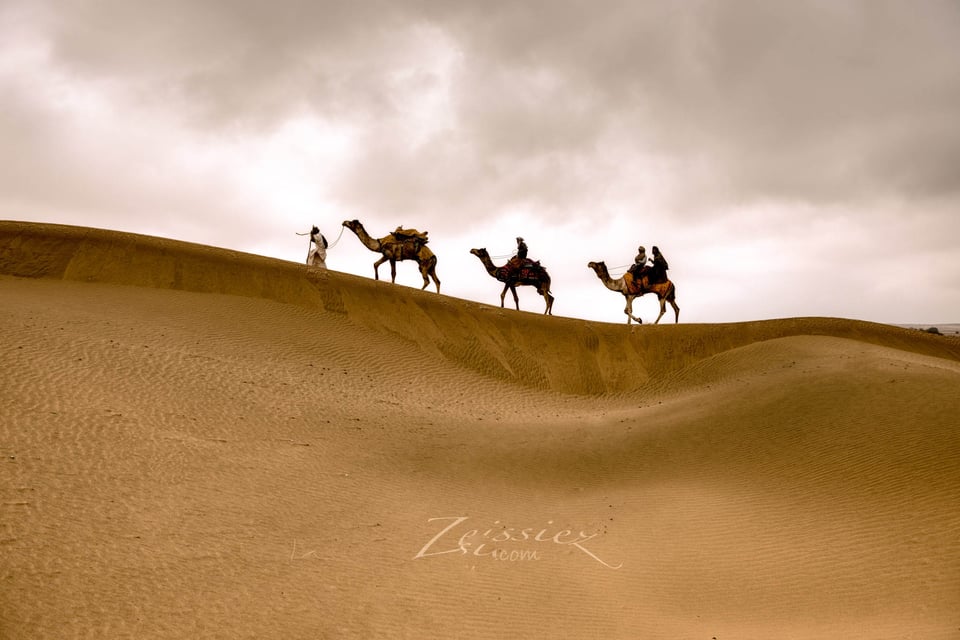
517 272
650 280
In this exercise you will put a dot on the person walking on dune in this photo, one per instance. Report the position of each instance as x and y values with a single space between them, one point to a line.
317 255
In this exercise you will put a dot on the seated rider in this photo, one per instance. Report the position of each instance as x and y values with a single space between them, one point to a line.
639 266
521 256
659 271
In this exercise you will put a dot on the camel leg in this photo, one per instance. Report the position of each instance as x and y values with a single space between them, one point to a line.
629 311
516 298
426 278
663 310
549 299
376 267
503 294
393 271
433 274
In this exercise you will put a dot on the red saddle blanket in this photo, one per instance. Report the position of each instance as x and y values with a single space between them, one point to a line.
524 269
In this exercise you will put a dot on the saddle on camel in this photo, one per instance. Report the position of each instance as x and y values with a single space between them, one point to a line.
521 267
411 238
641 275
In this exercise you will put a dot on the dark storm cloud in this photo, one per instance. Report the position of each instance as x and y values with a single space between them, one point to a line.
796 100
237 60
728 103
744 100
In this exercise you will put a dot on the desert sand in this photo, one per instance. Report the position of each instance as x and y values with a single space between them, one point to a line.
197 442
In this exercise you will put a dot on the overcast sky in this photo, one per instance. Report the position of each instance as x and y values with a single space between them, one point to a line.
789 158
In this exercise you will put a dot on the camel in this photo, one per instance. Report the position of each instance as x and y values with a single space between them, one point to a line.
393 249
630 288
530 273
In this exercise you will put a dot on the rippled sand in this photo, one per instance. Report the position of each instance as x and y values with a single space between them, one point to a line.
196 442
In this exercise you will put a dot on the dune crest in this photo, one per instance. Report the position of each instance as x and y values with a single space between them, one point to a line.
561 354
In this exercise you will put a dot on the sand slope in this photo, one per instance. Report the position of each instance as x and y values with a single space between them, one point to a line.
196 442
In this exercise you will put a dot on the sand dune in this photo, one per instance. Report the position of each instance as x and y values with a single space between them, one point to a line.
198 442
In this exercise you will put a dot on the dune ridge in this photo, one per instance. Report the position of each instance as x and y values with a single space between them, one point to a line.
196 442
563 354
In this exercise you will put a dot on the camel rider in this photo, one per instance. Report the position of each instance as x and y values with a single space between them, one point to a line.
516 262
317 255
660 266
639 266
521 249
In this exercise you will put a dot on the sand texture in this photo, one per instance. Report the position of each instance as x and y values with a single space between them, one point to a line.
196 442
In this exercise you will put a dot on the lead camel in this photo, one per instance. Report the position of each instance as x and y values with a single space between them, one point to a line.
393 249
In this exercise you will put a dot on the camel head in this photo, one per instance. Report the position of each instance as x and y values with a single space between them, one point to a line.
480 253
353 225
600 268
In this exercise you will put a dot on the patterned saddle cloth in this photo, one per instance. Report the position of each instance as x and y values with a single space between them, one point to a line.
524 269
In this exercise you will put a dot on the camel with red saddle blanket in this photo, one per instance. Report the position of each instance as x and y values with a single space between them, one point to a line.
518 272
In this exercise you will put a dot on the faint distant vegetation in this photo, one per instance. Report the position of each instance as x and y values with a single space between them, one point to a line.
949 329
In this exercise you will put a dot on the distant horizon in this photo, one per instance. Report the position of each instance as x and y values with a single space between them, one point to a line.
953 327
945 327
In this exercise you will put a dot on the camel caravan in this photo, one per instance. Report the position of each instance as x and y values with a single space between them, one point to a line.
644 276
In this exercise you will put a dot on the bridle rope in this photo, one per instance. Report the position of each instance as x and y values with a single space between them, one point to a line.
330 245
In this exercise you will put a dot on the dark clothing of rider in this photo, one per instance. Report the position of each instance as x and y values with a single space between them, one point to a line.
660 266
521 249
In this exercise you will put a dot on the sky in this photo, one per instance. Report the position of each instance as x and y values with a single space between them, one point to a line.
789 159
